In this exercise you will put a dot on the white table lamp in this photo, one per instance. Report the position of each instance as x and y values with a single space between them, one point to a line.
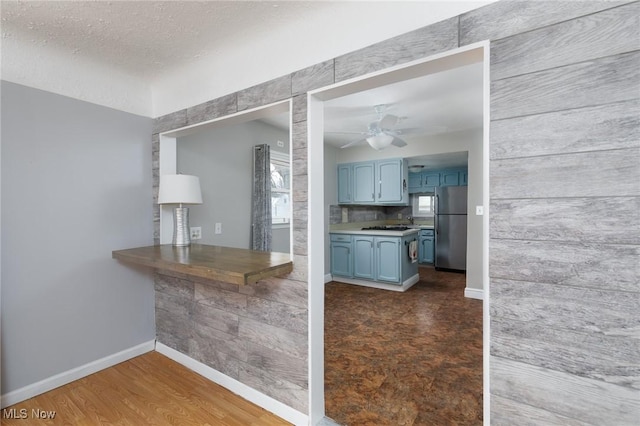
180 189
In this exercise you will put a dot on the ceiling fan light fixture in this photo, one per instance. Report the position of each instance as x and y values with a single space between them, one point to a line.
380 141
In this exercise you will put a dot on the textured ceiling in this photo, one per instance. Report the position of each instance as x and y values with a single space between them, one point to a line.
155 57
146 38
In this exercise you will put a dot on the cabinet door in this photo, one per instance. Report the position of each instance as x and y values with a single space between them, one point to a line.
344 183
450 179
363 259
430 181
464 178
415 182
425 251
363 183
389 181
387 259
341 259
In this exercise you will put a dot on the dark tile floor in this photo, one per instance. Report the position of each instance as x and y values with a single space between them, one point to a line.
412 358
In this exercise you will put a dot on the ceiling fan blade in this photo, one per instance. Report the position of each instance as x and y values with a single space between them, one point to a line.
356 142
398 142
410 131
388 121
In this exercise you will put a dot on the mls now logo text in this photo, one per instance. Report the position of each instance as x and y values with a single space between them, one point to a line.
23 413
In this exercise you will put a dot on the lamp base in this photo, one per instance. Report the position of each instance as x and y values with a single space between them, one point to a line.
181 235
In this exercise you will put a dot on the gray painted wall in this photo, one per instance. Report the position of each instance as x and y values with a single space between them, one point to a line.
564 233
222 158
76 184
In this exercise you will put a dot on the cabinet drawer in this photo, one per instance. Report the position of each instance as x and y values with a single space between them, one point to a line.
344 238
426 232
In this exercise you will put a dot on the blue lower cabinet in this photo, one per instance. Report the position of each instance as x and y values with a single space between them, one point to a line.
363 257
426 248
387 251
341 263
372 257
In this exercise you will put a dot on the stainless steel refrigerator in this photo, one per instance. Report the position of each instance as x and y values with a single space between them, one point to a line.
451 227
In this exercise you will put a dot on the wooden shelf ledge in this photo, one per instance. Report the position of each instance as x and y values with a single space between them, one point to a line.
231 265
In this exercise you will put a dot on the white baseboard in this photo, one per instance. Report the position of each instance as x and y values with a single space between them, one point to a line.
474 293
327 278
66 377
276 407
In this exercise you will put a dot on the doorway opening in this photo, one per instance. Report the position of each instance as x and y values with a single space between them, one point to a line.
473 140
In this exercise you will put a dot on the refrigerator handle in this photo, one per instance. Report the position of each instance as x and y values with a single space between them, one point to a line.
435 216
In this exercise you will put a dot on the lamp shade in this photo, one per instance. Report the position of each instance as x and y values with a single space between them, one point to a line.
380 141
179 189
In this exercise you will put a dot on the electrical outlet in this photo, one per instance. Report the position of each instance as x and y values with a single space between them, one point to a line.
345 215
479 210
196 232
218 229
399 216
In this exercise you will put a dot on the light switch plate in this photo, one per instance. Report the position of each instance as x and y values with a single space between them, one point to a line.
345 215
218 229
479 210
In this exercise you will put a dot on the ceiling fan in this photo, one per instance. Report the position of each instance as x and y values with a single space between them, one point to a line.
381 133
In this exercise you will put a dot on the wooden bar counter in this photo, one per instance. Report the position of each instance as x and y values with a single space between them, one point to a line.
231 265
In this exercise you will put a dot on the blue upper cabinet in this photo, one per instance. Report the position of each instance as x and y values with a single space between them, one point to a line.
381 182
344 184
392 185
428 181
450 178
363 183
415 182
464 178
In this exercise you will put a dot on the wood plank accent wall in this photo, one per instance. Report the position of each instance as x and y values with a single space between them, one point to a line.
564 217
565 210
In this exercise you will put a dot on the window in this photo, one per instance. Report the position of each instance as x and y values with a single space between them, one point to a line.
280 188
422 205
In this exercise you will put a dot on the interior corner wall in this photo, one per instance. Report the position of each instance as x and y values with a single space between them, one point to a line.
76 184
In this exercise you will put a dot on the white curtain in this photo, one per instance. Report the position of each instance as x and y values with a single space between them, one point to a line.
261 204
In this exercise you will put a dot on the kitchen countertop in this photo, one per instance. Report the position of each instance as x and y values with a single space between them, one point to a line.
390 233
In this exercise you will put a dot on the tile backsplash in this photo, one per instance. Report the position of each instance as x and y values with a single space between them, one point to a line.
357 214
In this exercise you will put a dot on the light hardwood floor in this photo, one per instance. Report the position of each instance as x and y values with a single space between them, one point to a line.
147 390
